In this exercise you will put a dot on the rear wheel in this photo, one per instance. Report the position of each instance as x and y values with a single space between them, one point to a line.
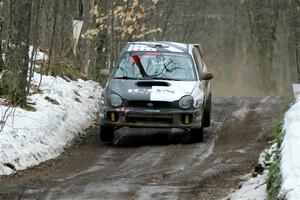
196 135
207 112
106 133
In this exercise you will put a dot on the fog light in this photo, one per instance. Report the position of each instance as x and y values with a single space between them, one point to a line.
186 119
112 117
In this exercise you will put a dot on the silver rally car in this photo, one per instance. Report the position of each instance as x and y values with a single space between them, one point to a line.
157 85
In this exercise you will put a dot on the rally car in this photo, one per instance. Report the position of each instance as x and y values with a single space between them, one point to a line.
157 85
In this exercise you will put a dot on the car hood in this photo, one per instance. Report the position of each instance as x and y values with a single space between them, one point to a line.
151 90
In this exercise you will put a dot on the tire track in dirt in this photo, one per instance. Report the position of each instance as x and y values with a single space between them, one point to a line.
156 164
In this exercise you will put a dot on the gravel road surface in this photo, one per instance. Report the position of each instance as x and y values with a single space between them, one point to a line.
156 164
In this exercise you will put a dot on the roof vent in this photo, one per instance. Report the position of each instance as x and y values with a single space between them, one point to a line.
160 46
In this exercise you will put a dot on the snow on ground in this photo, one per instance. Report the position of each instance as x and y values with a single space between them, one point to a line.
241 113
31 137
252 189
290 159
255 188
39 55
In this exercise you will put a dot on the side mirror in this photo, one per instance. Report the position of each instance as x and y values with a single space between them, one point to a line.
206 76
104 74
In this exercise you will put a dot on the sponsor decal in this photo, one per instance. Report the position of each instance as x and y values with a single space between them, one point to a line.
148 110
140 47
147 91
150 104
174 92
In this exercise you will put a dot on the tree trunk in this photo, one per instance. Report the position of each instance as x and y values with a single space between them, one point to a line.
51 49
34 43
297 37
1 59
17 51
101 43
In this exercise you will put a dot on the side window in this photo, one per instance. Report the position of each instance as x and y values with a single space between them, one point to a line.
198 61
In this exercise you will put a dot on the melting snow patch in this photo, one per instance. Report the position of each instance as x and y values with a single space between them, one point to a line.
241 113
255 188
252 189
29 138
38 55
155 192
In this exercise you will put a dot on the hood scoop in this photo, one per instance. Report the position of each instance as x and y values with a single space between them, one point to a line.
152 83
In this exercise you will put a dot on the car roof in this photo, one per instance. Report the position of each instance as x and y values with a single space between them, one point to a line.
175 47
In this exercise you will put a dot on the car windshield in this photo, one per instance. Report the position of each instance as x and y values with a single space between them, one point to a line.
156 65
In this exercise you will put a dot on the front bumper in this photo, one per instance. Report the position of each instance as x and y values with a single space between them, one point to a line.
151 118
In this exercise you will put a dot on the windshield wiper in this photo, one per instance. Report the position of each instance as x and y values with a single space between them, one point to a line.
128 78
161 78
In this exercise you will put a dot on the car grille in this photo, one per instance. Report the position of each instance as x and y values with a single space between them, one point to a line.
151 104
146 120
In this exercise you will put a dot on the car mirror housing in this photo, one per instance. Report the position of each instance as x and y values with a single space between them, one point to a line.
206 76
104 74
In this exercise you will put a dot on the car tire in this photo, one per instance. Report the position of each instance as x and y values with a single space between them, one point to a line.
207 112
196 135
106 133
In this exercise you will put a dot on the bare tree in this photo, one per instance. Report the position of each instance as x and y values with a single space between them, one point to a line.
17 49
254 44
296 14
34 41
1 29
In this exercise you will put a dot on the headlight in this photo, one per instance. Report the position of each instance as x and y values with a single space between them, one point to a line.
103 100
115 100
186 102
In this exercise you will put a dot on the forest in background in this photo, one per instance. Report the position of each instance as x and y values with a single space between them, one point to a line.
252 47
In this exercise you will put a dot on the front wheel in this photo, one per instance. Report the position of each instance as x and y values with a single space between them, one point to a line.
207 112
106 133
196 135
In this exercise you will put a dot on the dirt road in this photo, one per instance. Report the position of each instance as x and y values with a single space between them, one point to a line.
156 164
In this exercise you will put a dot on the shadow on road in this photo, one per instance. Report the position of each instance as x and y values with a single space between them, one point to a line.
134 137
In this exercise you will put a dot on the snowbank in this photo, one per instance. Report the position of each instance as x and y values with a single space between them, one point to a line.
63 109
289 164
290 158
255 188
252 189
